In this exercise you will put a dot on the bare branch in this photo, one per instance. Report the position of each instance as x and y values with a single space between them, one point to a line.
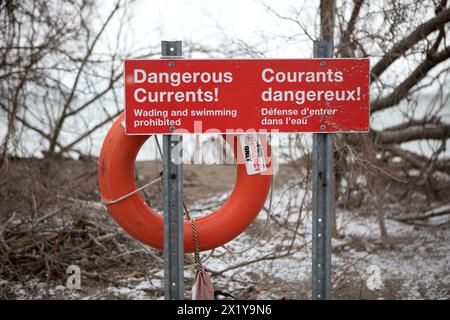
401 47
402 91
428 131
346 47
86 134
62 118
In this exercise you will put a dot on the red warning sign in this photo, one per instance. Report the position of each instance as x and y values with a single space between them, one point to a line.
198 96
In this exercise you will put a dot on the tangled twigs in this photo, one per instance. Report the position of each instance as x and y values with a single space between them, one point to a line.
43 245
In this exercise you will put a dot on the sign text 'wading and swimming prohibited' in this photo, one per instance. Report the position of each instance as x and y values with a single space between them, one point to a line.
197 96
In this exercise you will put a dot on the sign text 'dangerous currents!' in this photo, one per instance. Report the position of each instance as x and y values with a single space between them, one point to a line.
308 95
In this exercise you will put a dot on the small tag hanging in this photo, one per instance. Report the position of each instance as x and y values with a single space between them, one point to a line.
253 153
202 289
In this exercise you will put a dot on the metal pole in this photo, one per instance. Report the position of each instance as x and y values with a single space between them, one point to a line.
323 199
173 199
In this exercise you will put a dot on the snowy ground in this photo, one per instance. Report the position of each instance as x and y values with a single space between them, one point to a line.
272 260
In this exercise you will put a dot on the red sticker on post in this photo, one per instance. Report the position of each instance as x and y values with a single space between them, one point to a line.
232 96
252 149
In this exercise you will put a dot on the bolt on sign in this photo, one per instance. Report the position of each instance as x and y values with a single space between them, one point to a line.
289 95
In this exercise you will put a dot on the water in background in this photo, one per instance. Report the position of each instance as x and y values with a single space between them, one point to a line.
30 144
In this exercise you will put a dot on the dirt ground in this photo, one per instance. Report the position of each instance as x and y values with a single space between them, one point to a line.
202 181
51 218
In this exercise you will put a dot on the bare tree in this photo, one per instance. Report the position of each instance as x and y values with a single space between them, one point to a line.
409 42
60 77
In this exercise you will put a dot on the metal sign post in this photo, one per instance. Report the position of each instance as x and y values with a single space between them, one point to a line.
302 95
173 200
323 200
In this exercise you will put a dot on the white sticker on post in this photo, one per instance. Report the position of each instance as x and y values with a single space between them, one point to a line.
251 146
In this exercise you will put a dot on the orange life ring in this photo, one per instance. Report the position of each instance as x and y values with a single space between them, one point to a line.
116 178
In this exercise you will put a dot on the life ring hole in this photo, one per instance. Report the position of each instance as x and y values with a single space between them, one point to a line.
206 185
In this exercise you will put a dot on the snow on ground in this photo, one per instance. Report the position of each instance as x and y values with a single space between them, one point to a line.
415 266
268 262
412 267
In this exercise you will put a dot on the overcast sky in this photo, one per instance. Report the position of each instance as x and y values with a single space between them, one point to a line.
209 22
